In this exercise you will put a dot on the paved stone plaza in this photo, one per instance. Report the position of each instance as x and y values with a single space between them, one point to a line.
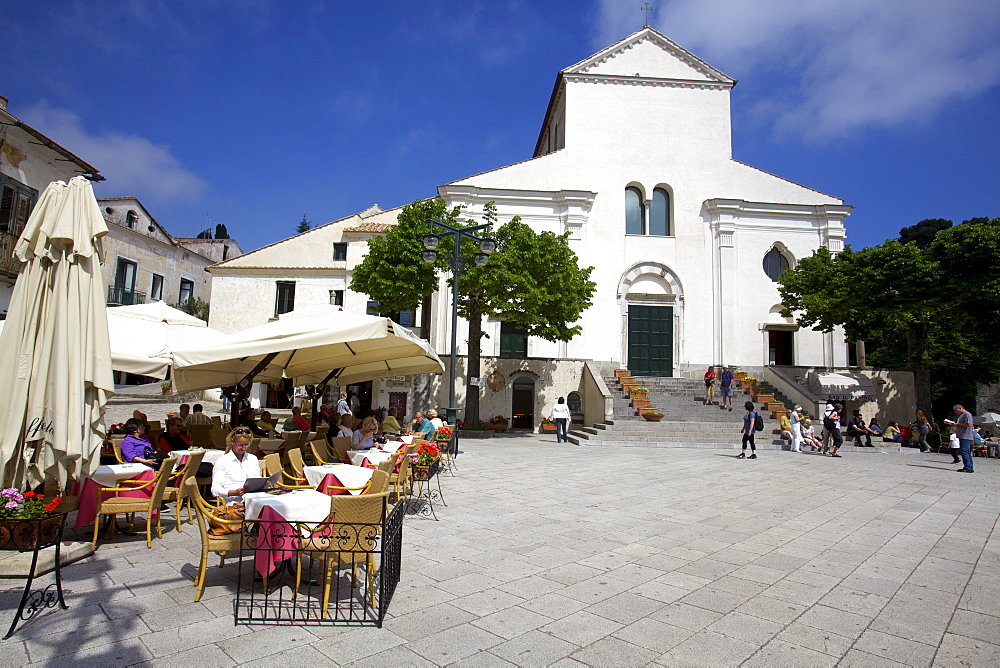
580 555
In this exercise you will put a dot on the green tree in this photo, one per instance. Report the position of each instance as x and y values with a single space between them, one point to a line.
199 308
923 233
533 280
304 225
928 309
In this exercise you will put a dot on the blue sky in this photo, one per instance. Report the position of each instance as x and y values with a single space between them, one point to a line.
252 113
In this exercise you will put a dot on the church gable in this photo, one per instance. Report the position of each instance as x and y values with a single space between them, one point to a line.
649 55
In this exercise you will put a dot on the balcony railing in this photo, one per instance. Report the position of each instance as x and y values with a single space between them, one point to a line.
123 297
9 265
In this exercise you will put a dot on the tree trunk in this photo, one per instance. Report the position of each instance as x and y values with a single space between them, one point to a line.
472 369
918 353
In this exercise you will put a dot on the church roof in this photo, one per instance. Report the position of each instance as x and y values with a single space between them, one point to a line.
669 64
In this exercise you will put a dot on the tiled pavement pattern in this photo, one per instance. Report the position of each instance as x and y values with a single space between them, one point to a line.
556 554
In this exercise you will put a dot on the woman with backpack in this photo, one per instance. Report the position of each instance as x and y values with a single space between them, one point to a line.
750 421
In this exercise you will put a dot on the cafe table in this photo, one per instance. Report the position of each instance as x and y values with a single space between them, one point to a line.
211 456
109 476
278 537
329 477
370 457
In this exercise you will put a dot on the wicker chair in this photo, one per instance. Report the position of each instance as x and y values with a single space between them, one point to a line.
218 439
321 454
200 434
272 465
400 479
173 489
296 462
379 483
116 445
341 445
347 509
209 543
120 504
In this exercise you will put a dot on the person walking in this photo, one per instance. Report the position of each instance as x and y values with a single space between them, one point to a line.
963 430
748 431
797 429
710 377
560 413
726 388
832 425
921 427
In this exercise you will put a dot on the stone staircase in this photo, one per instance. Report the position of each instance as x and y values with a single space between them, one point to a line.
687 421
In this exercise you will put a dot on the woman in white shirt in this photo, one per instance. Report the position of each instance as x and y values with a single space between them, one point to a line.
432 415
232 470
560 412
809 435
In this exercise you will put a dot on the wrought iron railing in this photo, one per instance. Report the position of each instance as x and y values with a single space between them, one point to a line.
124 297
330 573
9 264
35 536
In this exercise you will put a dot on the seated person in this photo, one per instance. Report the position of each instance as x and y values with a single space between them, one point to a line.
185 411
809 435
141 417
785 424
875 427
172 439
135 449
265 422
390 425
858 429
892 434
301 424
364 438
432 415
344 428
247 420
992 446
197 417
422 425
233 468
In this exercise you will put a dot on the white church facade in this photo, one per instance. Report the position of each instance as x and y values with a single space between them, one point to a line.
634 160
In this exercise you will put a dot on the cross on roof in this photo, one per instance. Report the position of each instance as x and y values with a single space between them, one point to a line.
646 8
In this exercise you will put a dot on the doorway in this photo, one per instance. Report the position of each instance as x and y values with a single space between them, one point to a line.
397 400
780 348
651 340
522 403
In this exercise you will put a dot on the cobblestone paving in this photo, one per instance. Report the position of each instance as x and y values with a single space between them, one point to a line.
557 554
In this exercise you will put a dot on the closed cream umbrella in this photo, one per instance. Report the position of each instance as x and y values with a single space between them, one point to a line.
55 359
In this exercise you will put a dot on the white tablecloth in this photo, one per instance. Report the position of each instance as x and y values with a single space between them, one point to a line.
211 456
375 457
391 446
302 505
108 475
349 476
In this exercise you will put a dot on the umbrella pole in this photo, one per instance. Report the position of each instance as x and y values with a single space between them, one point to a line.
242 389
318 391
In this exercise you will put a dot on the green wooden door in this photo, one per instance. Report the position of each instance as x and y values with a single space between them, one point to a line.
651 340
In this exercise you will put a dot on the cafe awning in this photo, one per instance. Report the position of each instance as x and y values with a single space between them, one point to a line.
834 386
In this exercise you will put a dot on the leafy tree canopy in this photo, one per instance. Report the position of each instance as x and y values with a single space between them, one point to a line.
199 308
922 234
932 307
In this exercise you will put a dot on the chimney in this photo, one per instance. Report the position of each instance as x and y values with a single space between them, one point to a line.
3 103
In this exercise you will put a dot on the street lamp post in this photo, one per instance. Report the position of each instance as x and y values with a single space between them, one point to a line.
456 261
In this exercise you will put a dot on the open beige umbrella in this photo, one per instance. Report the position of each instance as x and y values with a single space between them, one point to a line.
315 345
143 336
55 360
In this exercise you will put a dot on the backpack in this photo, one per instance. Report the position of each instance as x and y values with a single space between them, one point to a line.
758 422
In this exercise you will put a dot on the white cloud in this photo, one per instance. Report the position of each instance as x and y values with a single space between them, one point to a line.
132 165
845 65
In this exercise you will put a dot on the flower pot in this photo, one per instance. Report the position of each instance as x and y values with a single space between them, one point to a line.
640 403
774 406
622 372
765 398
652 418
548 427
421 472
635 394
30 534
629 387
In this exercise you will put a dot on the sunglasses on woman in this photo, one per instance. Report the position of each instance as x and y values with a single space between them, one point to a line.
242 431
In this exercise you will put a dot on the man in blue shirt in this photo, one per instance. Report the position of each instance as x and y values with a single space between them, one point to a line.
726 388
423 425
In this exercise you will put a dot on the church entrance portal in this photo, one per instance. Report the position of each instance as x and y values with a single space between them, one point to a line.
651 340
780 348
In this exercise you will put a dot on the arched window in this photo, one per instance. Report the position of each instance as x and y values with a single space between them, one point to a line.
635 212
775 264
130 219
659 213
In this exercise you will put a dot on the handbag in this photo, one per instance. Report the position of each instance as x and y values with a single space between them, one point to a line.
226 519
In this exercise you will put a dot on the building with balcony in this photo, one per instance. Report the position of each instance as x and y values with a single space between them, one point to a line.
29 161
143 262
